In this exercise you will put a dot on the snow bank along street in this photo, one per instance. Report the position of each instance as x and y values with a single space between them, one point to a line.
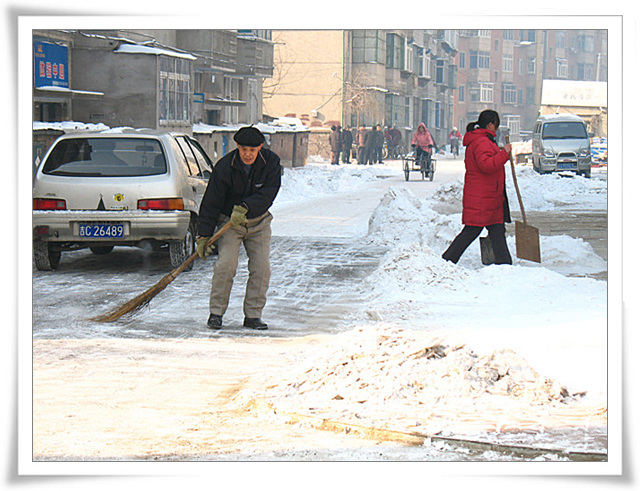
389 335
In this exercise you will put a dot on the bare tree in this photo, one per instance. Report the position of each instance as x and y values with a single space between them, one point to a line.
360 97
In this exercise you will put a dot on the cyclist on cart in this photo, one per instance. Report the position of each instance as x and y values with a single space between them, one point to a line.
423 142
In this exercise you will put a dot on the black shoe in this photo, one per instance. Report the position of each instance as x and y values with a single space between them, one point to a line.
255 323
214 322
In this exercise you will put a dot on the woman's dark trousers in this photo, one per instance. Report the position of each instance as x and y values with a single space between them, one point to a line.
470 233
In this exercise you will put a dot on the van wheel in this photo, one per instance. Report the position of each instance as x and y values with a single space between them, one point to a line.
535 167
181 250
44 256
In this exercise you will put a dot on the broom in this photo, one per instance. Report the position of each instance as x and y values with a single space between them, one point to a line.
145 297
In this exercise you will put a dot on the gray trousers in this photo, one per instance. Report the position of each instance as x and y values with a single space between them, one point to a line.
256 238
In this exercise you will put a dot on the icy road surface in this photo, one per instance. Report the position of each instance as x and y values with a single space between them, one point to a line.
356 252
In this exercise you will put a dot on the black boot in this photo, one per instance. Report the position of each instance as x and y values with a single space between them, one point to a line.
255 323
214 322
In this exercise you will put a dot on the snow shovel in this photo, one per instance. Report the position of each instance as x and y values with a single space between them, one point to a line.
145 297
527 237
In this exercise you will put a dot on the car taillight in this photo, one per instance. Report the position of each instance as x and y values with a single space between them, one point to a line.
161 204
49 204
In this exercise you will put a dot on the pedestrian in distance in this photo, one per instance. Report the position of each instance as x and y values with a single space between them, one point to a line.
335 141
361 143
370 146
422 142
241 190
347 143
377 144
484 200
395 138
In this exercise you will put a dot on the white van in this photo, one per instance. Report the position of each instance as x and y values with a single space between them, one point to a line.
561 143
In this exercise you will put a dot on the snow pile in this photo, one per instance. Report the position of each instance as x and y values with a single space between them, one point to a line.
540 192
406 364
68 126
313 181
403 219
385 377
548 191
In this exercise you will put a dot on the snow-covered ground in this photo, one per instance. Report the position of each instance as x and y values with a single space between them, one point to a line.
423 345
520 346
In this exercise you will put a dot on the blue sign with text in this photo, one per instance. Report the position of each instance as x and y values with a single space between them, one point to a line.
51 65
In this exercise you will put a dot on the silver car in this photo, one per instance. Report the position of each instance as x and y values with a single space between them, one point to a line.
106 189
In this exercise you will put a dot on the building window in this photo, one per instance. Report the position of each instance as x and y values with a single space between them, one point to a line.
175 89
462 60
479 59
531 95
528 35
507 63
440 71
531 65
232 94
507 34
509 94
562 68
368 46
395 51
585 43
461 93
585 71
560 39
482 92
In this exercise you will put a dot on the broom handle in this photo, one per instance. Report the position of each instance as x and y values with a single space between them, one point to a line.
194 256
515 182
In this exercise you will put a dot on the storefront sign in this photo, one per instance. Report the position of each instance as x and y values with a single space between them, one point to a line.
51 65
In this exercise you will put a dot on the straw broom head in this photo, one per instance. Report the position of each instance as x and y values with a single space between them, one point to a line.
144 298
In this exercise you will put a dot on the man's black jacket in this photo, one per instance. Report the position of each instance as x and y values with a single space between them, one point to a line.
230 185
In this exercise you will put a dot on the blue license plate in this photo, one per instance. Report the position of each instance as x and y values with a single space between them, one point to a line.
569 165
101 230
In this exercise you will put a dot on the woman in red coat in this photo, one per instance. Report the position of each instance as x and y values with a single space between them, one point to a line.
484 201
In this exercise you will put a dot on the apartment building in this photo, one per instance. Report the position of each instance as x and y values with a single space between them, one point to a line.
163 79
504 70
365 77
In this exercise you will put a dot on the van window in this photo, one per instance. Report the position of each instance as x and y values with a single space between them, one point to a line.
106 157
564 130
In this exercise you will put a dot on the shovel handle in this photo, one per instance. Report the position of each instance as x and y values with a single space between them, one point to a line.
515 182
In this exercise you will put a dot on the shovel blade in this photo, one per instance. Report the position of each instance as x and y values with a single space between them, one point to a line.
527 242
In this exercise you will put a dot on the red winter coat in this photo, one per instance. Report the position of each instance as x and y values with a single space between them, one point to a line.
483 197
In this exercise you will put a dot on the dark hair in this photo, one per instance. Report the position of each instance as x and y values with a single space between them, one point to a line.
487 116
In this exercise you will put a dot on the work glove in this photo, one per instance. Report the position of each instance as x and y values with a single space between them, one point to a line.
202 249
239 216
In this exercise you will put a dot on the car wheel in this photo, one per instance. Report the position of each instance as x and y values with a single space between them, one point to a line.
45 258
101 250
181 250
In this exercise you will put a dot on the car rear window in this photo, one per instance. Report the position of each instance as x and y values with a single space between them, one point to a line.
564 131
106 157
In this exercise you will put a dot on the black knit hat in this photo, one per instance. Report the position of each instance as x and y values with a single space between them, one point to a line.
249 136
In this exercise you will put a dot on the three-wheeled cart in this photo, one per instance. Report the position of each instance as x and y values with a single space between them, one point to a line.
425 164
